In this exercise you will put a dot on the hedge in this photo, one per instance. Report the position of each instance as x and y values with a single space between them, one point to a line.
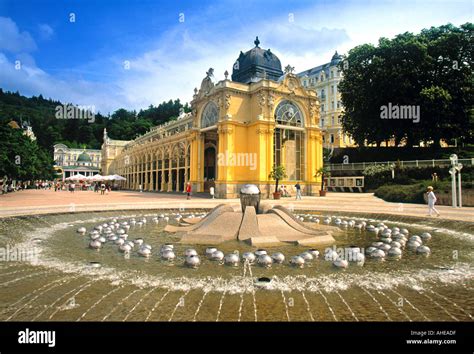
412 175
412 193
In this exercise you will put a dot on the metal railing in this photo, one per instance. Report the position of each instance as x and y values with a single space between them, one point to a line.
360 166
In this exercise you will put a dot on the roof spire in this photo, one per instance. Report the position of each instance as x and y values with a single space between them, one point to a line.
257 42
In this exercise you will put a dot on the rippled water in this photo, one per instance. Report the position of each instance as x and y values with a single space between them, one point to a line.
58 283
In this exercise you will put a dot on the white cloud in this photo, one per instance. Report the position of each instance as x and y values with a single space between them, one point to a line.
45 31
177 60
31 80
12 40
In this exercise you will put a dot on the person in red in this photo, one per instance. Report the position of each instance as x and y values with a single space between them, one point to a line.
188 190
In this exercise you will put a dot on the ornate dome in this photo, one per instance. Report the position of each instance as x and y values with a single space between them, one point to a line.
84 157
336 59
256 64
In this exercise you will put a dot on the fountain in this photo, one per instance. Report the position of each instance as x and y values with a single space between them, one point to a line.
269 266
255 223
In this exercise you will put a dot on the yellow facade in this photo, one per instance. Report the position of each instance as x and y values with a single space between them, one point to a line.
228 140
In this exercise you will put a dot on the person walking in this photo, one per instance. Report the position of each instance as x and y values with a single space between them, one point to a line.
298 191
102 189
188 190
431 201
211 191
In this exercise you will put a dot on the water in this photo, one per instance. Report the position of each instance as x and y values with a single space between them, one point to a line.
59 283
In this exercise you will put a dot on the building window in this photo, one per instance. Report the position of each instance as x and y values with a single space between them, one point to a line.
288 113
332 105
332 74
324 138
339 120
332 139
305 83
288 145
322 122
210 115
322 107
332 89
323 94
338 104
332 120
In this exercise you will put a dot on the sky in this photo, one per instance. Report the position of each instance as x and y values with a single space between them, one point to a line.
130 54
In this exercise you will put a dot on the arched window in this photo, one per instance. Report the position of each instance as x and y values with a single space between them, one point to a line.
288 113
210 115
289 140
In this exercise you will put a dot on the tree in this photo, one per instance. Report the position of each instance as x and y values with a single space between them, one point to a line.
323 172
122 124
277 173
431 70
20 157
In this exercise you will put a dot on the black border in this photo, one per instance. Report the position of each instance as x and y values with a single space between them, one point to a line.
243 337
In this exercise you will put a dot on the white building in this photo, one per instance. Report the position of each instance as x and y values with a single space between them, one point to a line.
70 161
325 80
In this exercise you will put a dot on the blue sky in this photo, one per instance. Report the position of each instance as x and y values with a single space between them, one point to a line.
135 53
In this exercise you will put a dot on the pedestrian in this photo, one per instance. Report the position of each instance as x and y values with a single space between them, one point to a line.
73 187
102 189
211 191
431 201
188 190
140 188
298 191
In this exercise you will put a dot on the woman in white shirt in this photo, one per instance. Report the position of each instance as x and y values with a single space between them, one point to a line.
431 201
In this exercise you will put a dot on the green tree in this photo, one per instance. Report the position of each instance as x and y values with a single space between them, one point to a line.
431 70
277 174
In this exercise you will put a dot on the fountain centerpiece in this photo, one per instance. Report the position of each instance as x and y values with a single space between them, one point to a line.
250 196
253 222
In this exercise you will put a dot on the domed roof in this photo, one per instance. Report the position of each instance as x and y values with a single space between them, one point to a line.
84 157
256 64
336 58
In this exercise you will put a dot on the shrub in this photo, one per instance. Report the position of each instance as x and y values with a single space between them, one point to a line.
377 176
413 193
402 193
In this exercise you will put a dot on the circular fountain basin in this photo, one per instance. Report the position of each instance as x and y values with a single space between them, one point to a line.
63 279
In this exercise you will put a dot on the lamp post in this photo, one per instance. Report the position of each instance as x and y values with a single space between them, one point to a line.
452 171
458 169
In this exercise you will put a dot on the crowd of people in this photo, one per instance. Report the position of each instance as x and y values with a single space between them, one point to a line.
7 186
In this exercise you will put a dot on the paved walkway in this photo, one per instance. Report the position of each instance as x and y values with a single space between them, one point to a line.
47 201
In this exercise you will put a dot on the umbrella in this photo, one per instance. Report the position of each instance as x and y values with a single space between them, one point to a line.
97 177
76 177
119 178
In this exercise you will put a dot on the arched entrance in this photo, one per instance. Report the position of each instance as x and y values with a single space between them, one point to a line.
209 119
289 140
210 167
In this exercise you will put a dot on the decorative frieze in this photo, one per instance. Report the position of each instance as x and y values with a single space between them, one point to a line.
265 131
225 130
